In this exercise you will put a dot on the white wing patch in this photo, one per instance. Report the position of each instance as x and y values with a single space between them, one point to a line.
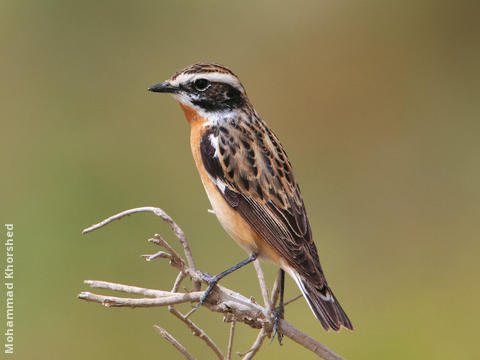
220 185
214 142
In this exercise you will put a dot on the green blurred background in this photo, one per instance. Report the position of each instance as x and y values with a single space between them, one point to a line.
376 102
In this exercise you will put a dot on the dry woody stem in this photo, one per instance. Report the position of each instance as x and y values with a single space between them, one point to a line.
235 306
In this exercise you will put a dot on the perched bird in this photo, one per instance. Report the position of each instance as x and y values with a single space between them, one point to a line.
250 184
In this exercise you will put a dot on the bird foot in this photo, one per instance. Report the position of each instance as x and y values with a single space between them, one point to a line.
278 314
208 278
211 281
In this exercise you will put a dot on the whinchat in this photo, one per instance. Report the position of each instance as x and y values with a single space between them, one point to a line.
250 184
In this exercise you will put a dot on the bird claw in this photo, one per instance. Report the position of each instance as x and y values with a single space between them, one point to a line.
211 281
208 278
278 314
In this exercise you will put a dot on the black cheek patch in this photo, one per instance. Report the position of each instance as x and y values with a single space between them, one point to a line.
219 97
234 97
208 105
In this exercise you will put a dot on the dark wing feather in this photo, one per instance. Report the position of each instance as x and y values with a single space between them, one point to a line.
249 160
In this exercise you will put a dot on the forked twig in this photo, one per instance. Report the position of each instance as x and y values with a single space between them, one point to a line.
165 217
159 254
175 258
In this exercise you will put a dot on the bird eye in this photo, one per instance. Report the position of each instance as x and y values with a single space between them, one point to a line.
201 84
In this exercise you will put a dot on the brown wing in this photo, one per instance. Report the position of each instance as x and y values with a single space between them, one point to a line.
246 161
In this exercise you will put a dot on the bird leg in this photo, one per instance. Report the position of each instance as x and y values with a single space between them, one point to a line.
279 311
213 280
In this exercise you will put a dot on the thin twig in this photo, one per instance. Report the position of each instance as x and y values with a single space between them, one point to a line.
230 340
181 275
159 254
165 334
113 301
263 286
292 300
256 345
175 257
197 332
118 216
187 315
126 288
308 342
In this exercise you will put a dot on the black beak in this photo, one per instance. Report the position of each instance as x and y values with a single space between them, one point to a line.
164 87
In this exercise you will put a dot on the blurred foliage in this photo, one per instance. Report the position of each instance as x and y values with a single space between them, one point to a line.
377 103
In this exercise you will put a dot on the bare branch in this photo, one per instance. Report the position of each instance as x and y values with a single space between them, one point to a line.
181 275
308 342
230 340
126 288
165 334
158 254
221 300
235 306
113 301
174 256
198 332
178 233
263 286
225 301
119 216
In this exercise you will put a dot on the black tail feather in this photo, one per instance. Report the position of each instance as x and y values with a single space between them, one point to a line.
325 306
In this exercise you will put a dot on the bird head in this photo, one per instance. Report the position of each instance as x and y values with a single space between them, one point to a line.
207 88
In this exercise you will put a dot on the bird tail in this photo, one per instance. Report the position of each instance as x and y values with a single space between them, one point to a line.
323 303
